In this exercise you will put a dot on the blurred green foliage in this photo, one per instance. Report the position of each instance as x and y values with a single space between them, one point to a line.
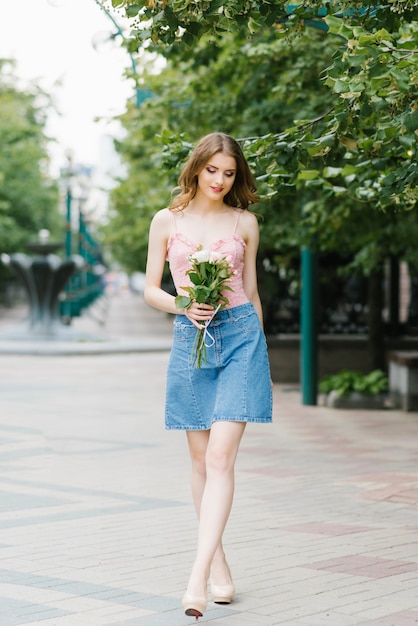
29 198
347 381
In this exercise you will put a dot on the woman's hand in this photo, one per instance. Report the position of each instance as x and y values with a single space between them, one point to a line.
198 314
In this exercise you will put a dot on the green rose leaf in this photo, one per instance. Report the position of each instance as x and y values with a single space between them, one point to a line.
182 302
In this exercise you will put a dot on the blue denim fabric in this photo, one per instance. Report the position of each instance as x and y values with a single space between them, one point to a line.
233 385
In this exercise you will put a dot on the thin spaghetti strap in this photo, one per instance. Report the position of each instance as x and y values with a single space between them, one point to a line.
237 220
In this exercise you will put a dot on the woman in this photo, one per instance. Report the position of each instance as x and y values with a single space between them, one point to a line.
212 403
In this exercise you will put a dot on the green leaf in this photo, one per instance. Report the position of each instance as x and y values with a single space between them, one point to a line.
182 302
349 170
202 294
195 278
341 86
132 10
308 174
337 26
411 120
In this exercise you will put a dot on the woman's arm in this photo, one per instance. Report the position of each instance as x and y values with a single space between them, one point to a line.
157 252
251 237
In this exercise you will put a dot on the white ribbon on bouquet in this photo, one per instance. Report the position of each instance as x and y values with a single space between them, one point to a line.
206 332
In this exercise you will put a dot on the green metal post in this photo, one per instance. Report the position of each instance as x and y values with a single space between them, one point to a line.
309 337
65 307
68 242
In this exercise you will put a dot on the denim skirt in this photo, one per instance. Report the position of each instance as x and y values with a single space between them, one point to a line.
233 383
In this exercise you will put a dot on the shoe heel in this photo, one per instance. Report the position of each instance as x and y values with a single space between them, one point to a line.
194 606
222 594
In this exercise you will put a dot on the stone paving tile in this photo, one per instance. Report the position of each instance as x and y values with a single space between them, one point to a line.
365 566
71 620
177 618
403 618
14 612
325 528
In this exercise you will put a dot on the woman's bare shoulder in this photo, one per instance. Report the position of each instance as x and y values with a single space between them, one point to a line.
163 222
248 217
163 217
248 222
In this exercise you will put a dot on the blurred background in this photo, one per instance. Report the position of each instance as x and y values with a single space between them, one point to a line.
100 102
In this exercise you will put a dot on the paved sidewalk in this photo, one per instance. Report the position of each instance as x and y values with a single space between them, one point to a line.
97 526
114 324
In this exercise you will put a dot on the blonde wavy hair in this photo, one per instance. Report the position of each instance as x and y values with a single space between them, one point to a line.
243 192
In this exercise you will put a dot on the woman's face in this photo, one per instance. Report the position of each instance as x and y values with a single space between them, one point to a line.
217 177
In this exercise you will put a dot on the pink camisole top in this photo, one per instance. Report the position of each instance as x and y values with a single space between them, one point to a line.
179 247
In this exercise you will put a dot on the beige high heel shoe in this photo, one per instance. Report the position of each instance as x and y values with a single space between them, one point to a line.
194 606
222 594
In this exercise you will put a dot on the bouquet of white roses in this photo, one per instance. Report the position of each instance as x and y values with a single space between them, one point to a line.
209 272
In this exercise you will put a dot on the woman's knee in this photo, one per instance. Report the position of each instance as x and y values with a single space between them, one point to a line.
223 446
199 464
219 459
198 443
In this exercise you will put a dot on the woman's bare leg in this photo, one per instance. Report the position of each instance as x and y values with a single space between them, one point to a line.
216 497
198 443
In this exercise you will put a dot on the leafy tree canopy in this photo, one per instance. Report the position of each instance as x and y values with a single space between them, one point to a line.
329 123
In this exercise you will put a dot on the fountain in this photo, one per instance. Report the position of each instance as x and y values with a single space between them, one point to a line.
44 276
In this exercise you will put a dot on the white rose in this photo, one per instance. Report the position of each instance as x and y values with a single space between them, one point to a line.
214 257
200 256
